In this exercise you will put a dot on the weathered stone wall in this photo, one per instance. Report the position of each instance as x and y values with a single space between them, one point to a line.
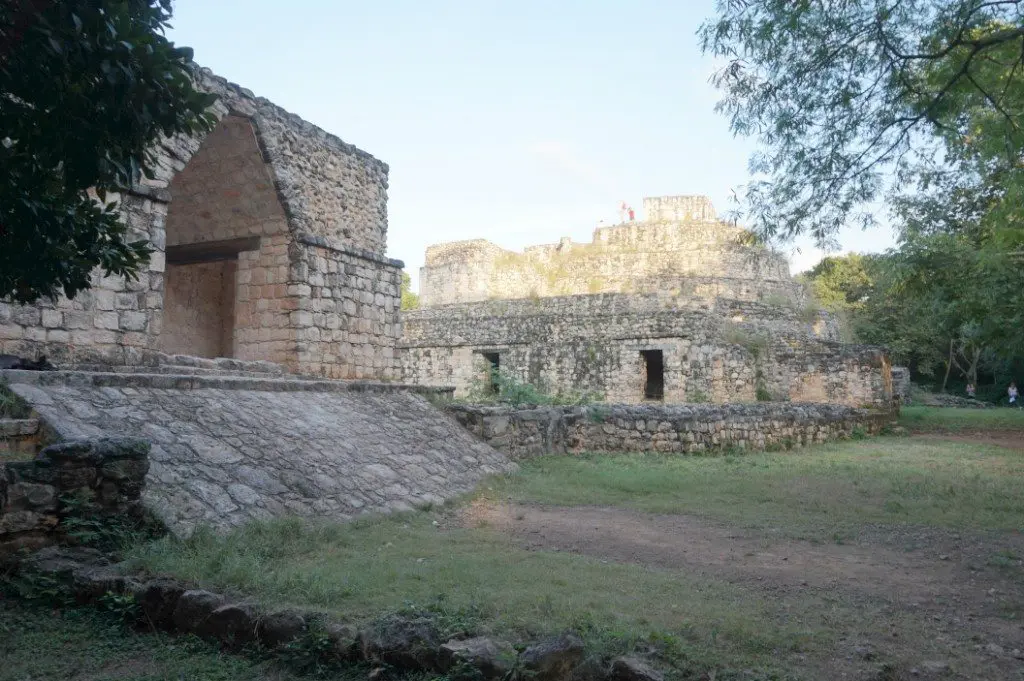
109 472
114 321
901 384
325 186
262 181
721 352
226 190
682 249
523 432
347 318
199 309
230 447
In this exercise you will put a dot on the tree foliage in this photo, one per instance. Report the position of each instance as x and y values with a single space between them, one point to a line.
86 88
410 299
935 302
852 99
841 283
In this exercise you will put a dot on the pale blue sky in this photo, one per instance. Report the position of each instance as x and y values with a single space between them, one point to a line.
520 122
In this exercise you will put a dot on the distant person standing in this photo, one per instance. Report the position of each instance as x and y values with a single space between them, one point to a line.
970 390
1014 394
631 214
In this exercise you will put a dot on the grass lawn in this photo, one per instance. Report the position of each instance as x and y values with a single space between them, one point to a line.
951 420
40 644
480 579
821 493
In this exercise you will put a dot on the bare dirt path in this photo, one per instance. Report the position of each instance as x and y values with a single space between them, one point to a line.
948 583
1008 438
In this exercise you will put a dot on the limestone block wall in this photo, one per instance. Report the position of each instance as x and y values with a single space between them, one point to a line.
524 432
110 472
325 186
263 304
347 317
241 197
723 352
199 305
115 321
684 250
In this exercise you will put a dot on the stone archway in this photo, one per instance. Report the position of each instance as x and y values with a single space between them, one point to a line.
226 246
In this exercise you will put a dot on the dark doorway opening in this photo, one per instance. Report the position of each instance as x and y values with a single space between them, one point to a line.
493 366
654 374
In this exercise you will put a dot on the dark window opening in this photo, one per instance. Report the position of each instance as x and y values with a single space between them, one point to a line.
654 374
493 366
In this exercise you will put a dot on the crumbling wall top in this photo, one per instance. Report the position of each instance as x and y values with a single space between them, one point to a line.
679 209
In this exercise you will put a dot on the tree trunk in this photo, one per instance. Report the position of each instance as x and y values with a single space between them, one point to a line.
973 369
949 366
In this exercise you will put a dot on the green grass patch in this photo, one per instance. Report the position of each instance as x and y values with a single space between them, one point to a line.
12 406
951 420
477 580
43 644
818 492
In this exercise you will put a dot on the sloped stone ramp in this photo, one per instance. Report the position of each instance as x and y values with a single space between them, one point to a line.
231 447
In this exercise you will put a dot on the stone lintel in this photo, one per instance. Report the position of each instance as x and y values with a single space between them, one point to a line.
320 242
209 251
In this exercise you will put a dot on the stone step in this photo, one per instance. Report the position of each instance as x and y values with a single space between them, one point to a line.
18 379
177 370
19 438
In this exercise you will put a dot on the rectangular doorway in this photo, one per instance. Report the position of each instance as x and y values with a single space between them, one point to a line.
493 360
654 374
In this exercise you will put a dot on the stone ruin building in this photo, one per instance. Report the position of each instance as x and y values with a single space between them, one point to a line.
270 236
678 308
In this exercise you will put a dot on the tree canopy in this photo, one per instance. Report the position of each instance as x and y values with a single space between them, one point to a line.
853 100
86 88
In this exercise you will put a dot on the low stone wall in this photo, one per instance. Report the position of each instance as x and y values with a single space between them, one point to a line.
111 471
395 644
523 432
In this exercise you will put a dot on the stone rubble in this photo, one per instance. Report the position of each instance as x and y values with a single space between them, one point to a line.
411 643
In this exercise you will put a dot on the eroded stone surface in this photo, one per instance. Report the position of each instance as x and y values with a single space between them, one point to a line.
222 457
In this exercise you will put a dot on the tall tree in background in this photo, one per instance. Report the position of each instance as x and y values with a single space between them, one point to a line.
86 88
410 299
852 99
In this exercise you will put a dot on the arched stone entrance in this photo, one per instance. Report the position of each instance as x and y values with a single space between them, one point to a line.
224 275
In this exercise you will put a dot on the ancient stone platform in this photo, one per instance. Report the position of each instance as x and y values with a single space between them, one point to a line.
233 445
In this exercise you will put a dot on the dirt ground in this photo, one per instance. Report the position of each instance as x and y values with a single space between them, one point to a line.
1008 439
962 593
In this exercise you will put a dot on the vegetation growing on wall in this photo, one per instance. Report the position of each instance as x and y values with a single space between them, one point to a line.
501 387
